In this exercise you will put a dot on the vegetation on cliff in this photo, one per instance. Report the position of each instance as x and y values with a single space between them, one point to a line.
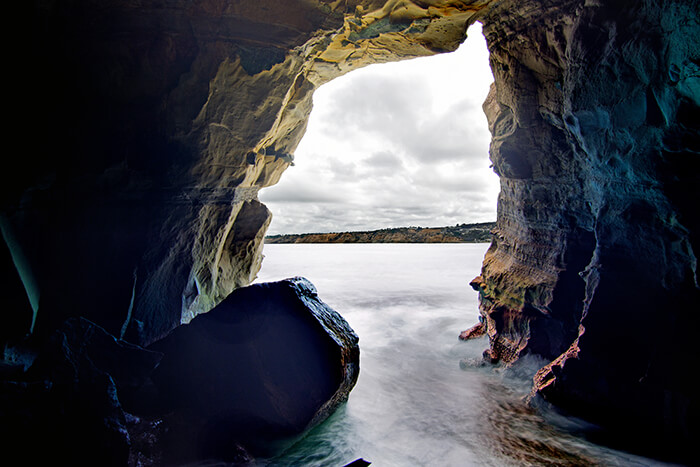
460 233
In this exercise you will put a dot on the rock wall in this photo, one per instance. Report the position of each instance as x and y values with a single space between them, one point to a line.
147 128
595 138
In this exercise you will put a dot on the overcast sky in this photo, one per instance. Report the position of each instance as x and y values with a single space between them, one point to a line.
393 145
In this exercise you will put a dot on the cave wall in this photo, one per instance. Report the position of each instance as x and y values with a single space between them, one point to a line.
148 127
125 207
595 138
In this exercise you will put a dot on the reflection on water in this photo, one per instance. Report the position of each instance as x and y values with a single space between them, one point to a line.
516 432
423 397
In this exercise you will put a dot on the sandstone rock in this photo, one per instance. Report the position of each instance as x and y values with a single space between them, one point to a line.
267 363
474 332
465 233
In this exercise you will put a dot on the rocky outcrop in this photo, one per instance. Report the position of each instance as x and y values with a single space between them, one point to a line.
463 233
593 261
147 128
268 363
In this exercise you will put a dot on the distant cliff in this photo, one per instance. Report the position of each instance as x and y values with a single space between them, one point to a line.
462 233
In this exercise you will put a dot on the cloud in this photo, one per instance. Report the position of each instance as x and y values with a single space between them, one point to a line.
392 145
382 164
342 171
392 114
301 191
384 159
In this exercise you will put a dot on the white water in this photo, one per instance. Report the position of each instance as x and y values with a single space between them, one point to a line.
422 399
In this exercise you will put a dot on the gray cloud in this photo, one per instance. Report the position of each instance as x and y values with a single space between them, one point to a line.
382 164
384 159
373 102
307 192
404 122
342 170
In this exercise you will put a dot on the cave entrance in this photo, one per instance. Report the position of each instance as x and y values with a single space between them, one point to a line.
394 145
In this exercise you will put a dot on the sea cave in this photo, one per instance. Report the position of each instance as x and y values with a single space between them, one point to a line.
150 126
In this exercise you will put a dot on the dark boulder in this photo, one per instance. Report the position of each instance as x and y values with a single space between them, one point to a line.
266 364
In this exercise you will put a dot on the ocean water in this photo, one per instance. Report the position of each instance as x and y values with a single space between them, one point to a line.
423 397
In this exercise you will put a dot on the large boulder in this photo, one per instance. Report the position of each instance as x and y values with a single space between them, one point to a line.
266 364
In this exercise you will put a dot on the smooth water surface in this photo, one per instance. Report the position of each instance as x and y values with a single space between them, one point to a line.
423 397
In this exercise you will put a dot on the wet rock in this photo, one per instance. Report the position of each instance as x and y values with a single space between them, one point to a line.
66 408
267 363
271 361
476 331
358 463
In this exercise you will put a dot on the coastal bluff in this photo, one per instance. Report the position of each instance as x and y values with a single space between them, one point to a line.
461 233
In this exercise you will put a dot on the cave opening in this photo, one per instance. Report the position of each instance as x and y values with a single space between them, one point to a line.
399 144
394 145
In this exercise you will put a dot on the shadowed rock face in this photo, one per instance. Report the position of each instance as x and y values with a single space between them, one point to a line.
593 264
148 127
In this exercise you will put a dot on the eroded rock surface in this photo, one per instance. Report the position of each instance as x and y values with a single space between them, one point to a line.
593 265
